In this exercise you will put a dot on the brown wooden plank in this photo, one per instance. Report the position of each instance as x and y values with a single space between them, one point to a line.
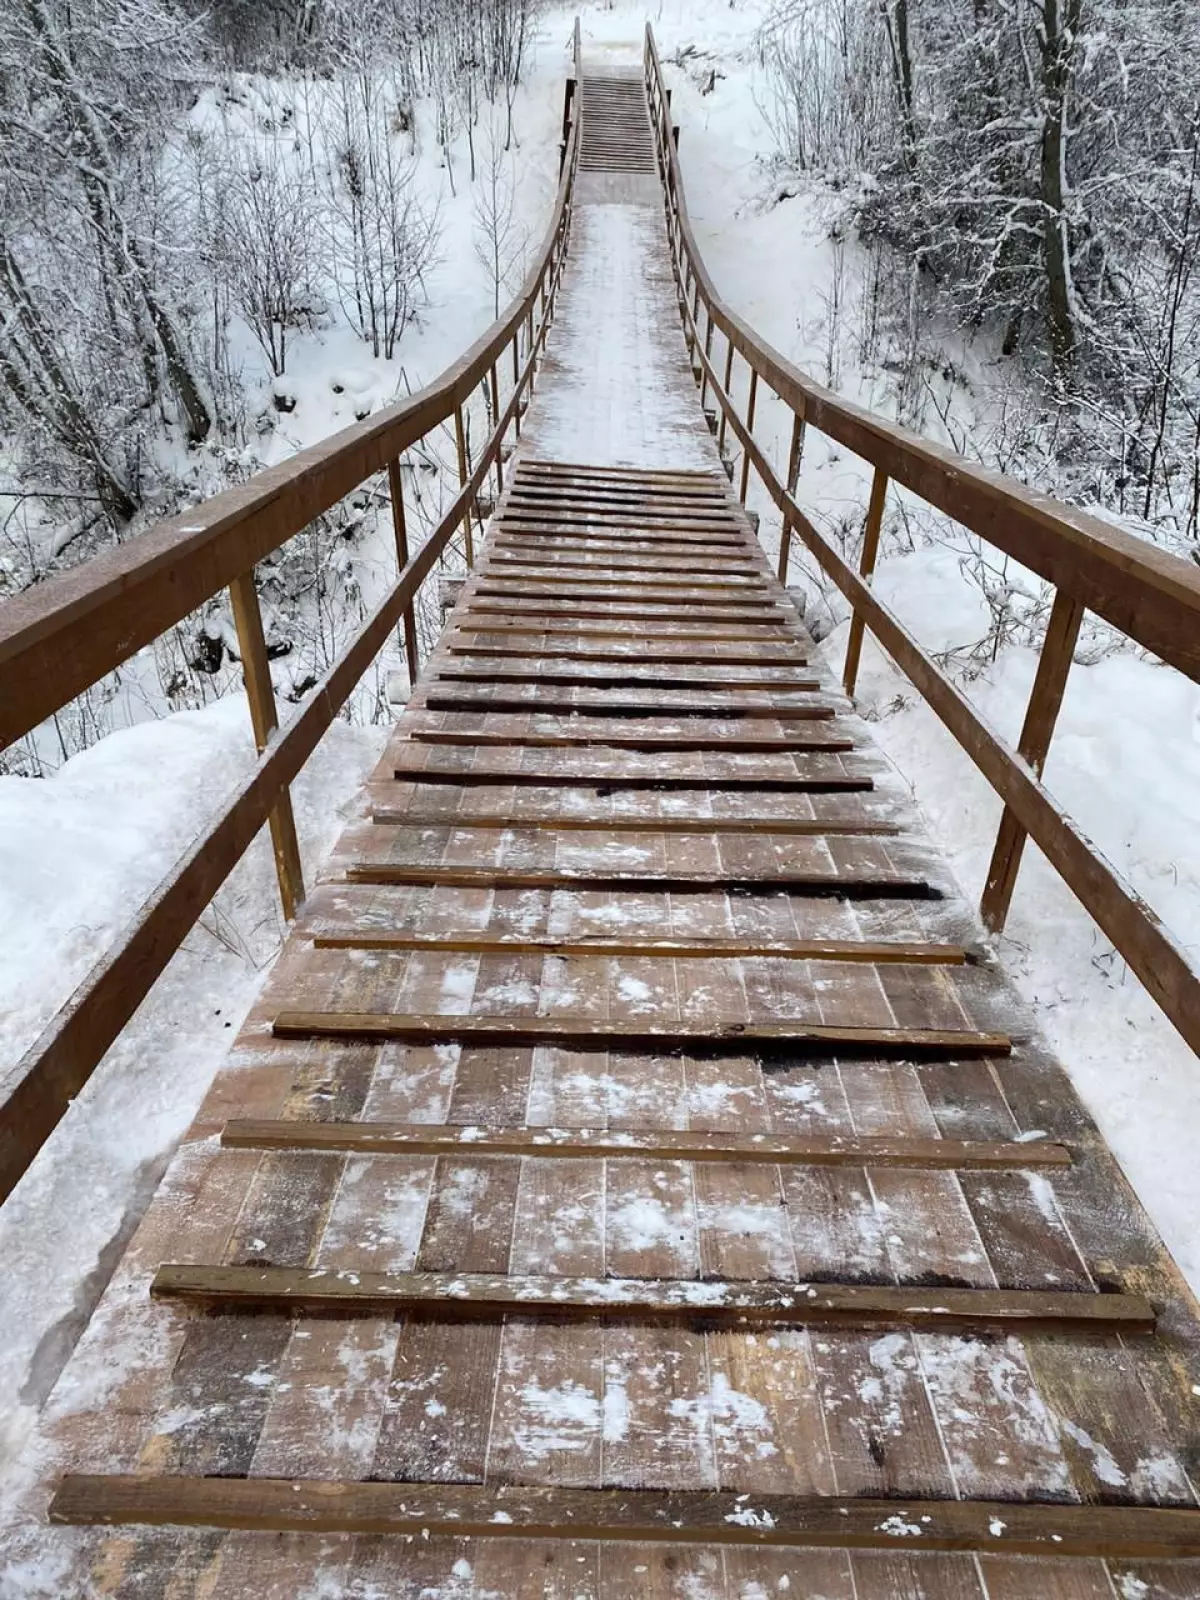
573 1032
418 1138
745 1303
642 654
547 704
673 949
650 743
573 822
677 1516
812 882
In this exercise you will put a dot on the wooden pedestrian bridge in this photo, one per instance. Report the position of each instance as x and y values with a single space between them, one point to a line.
636 1176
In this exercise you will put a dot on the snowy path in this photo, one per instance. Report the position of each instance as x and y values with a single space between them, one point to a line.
616 388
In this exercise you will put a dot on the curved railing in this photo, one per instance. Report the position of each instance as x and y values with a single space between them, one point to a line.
1151 597
68 633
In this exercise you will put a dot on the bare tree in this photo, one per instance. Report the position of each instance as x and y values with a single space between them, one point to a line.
268 226
499 238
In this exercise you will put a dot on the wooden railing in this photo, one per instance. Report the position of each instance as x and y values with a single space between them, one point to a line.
1151 597
68 633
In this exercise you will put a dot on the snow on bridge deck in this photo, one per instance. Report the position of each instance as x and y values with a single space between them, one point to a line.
641 1186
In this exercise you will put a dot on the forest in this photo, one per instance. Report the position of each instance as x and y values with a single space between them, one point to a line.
188 188
1026 169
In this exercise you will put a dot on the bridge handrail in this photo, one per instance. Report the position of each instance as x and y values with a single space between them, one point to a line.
1147 594
69 632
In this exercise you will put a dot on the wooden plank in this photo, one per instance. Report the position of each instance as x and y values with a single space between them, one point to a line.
627 680
602 704
642 655
743 1303
572 822
675 949
264 719
677 1516
417 1138
846 884
651 744
1049 686
609 782
679 595
588 1033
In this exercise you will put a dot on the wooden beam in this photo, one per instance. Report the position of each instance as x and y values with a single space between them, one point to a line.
744 1304
460 445
606 612
687 477
670 1516
778 639
744 743
494 704
645 655
684 595
400 529
558 678
609 783
866 568
871 952
264 719
649 1144
575 822
1045 700
587 1033
841 884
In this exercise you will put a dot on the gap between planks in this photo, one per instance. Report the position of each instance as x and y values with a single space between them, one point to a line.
830 885
586 1033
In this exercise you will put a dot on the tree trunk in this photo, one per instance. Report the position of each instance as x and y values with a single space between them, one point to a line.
1058 37
97 174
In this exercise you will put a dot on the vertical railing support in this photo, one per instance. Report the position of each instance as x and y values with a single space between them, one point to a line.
724 423
494 384
866 567
460 440
516 349
264 719
750 405
708 339
1045 700
795 450
400 525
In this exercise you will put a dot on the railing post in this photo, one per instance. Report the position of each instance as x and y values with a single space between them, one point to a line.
1049 684
724 423
400 525
866 566
516 349
795 449
264 719
708 339
494 384
460 440
753 401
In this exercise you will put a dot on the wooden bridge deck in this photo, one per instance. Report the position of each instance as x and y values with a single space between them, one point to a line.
641 1182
